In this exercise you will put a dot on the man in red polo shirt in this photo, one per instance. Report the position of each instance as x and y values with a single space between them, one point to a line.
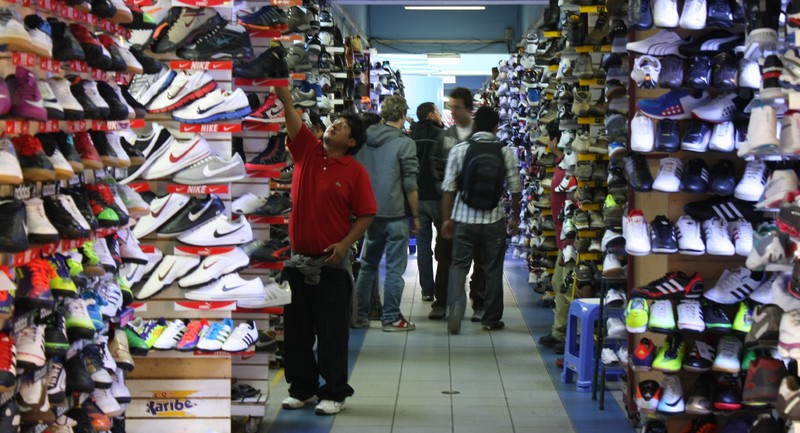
329 188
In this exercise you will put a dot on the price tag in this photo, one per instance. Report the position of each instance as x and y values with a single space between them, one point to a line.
78 66
107 26
49 126
50 65
76 126
99 74
17 127
123 79
27 60
217 127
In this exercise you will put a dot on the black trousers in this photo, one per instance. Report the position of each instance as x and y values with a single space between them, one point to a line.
443 252
318 313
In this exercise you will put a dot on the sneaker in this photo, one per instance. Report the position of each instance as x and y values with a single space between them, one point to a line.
329 407
170 337
718 241
720 109
274 296
695 177
192 215
728 209
175 156
743 321
768 248
244 336
733 286
189 24
230 287
693 16
214 339
676 105
219 231
766 328
690 316
789 341
636 315
247 203
636 232
722 137
614 299
716 319
214 266
269 64
787 401
722 181
669 175
643 356
637 172
194 331
648 395
271 111
212 166
295 403
662 319
659 44
186 86
267 18
30 347
615 328
670 356
609 358
162 209
753 182
671 392
763 382
218 105
612 266
780 183
225 41
26 100
33 284
168 270
701 358
35 164
729 353
663 238
674 285
66 218
118 389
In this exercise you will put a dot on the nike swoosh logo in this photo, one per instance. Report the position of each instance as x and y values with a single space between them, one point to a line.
205 110
217 234
174 159
228 289
164 275
212 264
194 215
156 214
39 104
213 172
673 404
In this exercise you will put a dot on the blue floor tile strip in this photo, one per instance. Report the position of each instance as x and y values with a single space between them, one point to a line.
583 411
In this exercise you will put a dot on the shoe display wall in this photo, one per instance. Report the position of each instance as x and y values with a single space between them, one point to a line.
719 254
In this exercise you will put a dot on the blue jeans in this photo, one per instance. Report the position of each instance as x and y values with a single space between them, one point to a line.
491 240
391 236
429 216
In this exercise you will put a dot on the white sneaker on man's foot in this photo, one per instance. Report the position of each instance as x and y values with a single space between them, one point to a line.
294 403
329 407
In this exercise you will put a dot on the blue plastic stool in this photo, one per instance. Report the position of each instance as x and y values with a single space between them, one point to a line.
583 313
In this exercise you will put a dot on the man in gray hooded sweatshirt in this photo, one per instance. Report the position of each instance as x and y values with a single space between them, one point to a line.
390 158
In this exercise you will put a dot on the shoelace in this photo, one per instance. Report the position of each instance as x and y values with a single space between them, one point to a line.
191 333
41 273
754 172
716 228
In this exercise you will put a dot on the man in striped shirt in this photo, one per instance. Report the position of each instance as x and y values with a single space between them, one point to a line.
472 229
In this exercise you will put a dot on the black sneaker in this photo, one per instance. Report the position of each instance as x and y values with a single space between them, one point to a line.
270 64
667 136
719 14
82 203
136 156
640 15
672 72
655 426
62 220
695 177
78 378
225 41
274 250
13 238
673 285
266 342
276 205
728 392
616 181
55 336
149 64
196 213
273 157
725 73
90 110
118 110
103 9
711 43
104 149
65 46
770 78
138 108
722 181
699 76
662 236
266 18
726 208
716 319
697 136
698 400
637 172
63 142
286 175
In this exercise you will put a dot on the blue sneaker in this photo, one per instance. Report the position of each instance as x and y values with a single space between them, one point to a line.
534 96
616 149
677 104
94 305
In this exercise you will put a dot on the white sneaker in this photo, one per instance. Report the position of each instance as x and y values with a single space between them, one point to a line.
129 248
50 101
185 87
732 286
690 316
161 210
274 296
720 109
112 294
106 402
616 328
116 146
294 403
118 389
214 339
642 133
221 104
30 346
763 294
244 336
669 175
608 237
104 254
329 407
248 203
231 287
622 354
134 202
42 41
762 131
13 31
693 16
219 231
729 352
69 204
749 74
790 133
662 314
780 183
665 14
671 395
56 383
662 43
10 170
215 266
40 229
179 155
170 269
637 234
718 241
754 180
171 335
90 88
690 241
722 137
741 232
134 67
646 70
614 298
144 88
608 357
612 266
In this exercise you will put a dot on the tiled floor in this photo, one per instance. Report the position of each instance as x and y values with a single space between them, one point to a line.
429 381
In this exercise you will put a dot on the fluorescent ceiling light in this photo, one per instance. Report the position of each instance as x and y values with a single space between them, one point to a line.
444 59
445 8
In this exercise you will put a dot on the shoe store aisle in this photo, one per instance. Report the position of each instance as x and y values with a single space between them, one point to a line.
429 381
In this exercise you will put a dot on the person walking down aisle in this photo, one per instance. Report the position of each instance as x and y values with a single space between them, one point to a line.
432 151
461 107
327 185
390 157
472 205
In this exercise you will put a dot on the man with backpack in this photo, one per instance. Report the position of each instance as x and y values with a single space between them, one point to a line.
432 151
478 173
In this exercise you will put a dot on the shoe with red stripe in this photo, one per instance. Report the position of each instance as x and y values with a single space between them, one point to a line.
674 285
269 112
187 86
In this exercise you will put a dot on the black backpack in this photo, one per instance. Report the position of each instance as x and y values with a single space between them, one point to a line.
483 175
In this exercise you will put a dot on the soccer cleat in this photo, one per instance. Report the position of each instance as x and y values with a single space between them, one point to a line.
670 356
727 392
662 319
136 344
218 105
701 358
642 358
698 400
244 336
215 338
195 330
716 319
648 396
674 285
671 395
